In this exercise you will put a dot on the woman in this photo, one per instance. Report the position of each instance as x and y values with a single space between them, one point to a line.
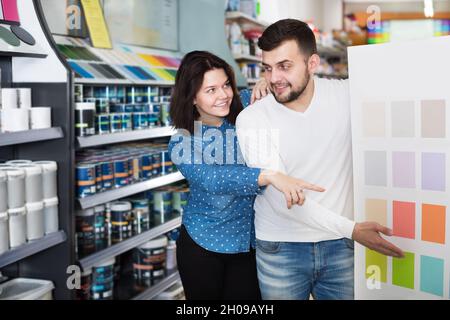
215 250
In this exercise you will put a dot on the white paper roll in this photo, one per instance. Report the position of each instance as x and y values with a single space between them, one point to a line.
41 118
9 98
24 98
13 120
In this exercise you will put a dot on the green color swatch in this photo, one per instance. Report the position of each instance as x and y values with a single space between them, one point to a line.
403 271
376 266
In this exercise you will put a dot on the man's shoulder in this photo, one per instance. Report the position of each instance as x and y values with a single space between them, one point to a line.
255 110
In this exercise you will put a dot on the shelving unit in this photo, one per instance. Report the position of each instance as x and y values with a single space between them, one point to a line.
32 248
126 245
246 22
100 140
158 288
30 136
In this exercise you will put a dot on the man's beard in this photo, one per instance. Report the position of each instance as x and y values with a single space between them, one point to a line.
294 94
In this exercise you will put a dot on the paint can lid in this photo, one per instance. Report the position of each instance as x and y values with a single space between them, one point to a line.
155 243
100 208
17 162
14 173
105 263
34 206
47 165
121 206
85 106
85 213
30 169
51 202
17 211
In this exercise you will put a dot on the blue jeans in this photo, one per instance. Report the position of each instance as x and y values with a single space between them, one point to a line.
294 271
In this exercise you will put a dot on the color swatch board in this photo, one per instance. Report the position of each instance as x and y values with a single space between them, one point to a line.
401 153
123 64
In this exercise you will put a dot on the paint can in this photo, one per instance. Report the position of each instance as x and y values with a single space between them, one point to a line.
49 178
101 104
116 122
3 191
171 260
98 176
40 118
161 206
86 180
35 221
9 98
17 227
165 115
16 188
127 122
84 293
154 116
141 215
84 119
149 261
156 164
103 280
179 200
118 108
24 98
51 215
85 225
33 182
121 172
100 221
135 166
147 166
121 226
140 120
103 124
4 232
167 166
107 175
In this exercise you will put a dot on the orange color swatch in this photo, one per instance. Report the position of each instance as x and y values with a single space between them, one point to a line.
433 223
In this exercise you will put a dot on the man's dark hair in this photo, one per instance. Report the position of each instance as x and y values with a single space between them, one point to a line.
188 82
289 29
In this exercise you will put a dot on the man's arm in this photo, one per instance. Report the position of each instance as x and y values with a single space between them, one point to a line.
259 151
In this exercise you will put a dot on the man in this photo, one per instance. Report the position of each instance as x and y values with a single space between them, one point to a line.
303 129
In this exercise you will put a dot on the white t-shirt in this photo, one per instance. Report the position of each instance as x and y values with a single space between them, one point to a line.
314 146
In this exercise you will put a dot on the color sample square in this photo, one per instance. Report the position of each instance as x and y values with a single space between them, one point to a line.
403 119
404 170
404 216
374 115
433 223
433 171
403 271
433 119
376 210
432 275
376 266
376 168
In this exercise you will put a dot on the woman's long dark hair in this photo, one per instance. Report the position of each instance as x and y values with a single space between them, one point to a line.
188 82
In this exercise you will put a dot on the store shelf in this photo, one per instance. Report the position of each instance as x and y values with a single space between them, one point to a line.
331 51
245 20
247 58
29 136
158 288
117 249
32 248
100 140
105 82
124 192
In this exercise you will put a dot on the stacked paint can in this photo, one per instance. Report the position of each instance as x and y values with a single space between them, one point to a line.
149 261
99 170
17 113
84 293
112 109
102 287
28 201
121 221
91 230
167 203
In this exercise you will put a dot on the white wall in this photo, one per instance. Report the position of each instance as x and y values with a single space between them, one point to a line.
325 14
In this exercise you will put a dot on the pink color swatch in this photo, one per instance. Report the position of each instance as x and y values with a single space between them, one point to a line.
404 214
10 10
